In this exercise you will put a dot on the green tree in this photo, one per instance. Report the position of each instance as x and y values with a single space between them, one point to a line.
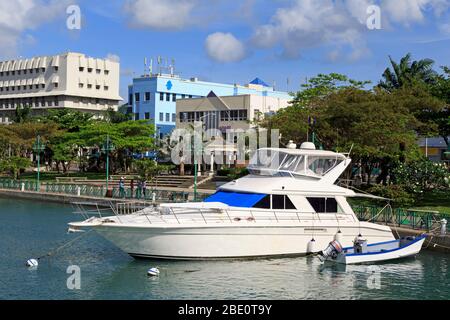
22 114
14 165
407 72
149 170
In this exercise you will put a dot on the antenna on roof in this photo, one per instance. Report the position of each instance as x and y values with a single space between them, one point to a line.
145 65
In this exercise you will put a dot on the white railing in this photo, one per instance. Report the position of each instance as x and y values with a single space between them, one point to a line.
237 215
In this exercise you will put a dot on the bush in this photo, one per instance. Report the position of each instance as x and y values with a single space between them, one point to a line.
422 176
400 197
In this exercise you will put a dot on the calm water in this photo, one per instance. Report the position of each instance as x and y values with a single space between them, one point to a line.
31 229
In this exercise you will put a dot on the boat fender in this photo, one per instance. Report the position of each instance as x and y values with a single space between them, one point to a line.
153 272
311 248
237 219
332 251
32 263
338 236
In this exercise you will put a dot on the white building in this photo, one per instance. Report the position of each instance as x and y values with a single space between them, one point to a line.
230 112
70 80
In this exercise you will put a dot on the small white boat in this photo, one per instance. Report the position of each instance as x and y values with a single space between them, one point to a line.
362 252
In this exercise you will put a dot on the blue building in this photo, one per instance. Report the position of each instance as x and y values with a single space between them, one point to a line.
153 97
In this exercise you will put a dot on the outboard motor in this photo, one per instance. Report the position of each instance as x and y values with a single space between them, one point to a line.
360 244
332 251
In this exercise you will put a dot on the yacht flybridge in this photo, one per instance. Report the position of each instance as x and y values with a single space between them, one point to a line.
288 205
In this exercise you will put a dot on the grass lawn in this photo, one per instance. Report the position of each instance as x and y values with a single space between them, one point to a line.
437 201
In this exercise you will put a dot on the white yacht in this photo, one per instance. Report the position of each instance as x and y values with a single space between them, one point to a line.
288 205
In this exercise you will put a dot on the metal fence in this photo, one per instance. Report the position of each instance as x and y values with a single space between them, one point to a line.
100 191
415 219
18 185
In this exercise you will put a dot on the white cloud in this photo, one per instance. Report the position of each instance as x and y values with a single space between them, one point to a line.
113 57
161 14
337 24
445 28
224 47
408 12
312 23
19 16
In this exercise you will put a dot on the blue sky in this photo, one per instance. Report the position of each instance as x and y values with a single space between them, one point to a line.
234 42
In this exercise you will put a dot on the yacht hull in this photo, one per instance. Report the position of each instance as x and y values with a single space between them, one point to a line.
205 243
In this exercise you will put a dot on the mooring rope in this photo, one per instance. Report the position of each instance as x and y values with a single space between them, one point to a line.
50 253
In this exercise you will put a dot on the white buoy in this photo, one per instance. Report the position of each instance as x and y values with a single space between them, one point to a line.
153 272
311 248
338 236
32 263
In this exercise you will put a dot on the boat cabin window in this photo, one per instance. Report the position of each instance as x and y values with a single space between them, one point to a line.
324 205
278 202
282 202
264 203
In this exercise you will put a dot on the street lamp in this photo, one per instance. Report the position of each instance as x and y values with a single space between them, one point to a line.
107 147
38 148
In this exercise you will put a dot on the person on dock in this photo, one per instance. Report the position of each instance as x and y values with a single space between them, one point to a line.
144 187
139 189
132 187
122 187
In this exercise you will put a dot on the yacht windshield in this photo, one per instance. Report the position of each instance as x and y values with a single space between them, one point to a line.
274 162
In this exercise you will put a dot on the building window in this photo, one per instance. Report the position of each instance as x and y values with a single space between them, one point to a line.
106 88
97 87
25 71
55 85
18 72
90 70
147 96
130 99
7 73
1 74
161 96
89 86
167 96
190 96
174 117
80 85
174 97
56 69
147 115
161 116
183 96
24 87
137 97
98 71
167 117
56 102
106 72
13 73
42 69
43 86
81 69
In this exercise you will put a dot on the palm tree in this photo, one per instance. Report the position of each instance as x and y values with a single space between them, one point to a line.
407 72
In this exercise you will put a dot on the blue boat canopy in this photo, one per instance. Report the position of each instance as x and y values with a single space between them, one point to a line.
236 199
